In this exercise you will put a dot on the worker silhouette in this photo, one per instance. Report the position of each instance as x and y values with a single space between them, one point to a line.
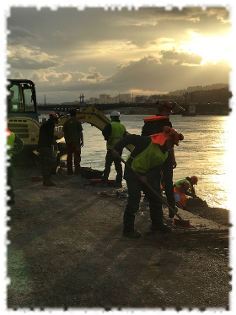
45 148
145 160
73 133
113 133
153 125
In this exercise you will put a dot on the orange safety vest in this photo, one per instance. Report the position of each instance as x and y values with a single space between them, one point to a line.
182 196
154 118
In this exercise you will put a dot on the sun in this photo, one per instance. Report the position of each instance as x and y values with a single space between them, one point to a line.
211 49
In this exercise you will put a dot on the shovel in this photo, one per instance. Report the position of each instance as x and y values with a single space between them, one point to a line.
180 222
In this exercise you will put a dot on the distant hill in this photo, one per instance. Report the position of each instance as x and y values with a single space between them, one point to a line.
199 88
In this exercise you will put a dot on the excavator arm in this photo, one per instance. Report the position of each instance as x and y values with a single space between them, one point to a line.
90 115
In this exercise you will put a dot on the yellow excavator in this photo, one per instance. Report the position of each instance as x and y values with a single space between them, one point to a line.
23 119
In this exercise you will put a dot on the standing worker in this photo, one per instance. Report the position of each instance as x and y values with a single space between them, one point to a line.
145 160
73 133
16 144
45 148
153 125
113 133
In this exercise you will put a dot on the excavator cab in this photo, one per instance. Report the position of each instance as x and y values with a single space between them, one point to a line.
21 99
22 116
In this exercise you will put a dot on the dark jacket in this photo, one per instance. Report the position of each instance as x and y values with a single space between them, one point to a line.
46 134
140 143
72 129
155 126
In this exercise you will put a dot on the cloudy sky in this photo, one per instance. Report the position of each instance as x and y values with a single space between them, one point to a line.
94 51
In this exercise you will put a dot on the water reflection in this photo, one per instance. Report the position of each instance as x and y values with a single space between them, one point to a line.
202 153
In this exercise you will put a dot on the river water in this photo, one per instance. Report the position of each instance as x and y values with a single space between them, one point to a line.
202 153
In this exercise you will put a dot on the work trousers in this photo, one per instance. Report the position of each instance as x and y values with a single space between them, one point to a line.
73 150
135 186
167 172
45 162
7 175
118 167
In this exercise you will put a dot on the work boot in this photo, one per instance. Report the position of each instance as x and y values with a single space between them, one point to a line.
48 183
132 234
164 228
11 202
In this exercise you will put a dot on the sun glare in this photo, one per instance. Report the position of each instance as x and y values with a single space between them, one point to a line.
211 49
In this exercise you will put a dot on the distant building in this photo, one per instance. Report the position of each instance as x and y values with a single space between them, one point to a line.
126 98
104 99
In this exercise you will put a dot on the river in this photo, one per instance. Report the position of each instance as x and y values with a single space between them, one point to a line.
202 153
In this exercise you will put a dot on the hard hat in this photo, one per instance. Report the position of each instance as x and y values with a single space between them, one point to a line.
115 113
167 134
164 105
194 180
4 129
54 116
173 135
73 110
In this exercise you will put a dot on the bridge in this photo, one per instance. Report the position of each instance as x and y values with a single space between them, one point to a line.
201 108
81 106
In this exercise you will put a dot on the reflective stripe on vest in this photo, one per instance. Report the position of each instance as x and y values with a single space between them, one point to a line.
8 145
152 156
117 133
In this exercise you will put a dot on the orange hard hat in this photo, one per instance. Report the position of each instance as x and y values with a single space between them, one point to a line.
54 116
167 134
164 105
173 135
194 180
8 132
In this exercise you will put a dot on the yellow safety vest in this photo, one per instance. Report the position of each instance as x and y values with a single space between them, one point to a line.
8 145
152 156
117 133
179 182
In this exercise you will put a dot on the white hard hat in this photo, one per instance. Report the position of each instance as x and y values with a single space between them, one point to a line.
115 113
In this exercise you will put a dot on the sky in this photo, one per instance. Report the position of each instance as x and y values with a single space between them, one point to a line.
94 51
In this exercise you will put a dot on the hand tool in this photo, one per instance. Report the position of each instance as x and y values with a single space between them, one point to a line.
180 222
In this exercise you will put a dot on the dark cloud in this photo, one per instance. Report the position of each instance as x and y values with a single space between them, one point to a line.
17 34
31 63
181 58
147 74
97 51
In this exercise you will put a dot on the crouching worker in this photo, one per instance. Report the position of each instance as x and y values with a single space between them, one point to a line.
180 195
145 160
191 181
11 144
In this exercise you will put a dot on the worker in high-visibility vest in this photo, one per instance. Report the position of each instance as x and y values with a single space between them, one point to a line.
155 124
113 133
180 195
146 159
15 144
191 181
